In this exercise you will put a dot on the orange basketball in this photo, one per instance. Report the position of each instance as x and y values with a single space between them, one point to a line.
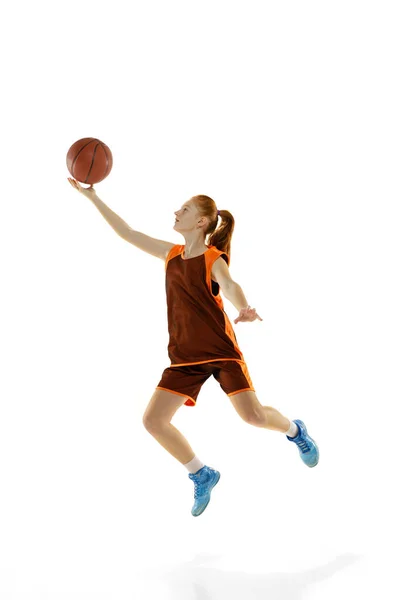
89 160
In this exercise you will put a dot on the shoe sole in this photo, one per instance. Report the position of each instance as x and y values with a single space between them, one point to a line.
216 479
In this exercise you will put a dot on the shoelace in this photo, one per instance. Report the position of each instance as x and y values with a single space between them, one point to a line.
303 445
198 488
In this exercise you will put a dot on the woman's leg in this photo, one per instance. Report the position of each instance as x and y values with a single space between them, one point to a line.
156 419
249 408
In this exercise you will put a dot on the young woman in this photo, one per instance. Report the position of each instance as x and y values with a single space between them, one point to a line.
201 338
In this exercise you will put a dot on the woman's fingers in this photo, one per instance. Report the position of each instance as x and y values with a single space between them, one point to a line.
247 314
73 182
80 187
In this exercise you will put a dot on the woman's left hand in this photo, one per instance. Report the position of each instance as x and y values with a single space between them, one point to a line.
247 314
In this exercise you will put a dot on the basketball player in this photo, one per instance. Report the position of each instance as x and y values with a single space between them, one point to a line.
201 338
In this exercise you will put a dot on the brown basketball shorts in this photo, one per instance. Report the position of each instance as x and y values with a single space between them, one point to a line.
232 375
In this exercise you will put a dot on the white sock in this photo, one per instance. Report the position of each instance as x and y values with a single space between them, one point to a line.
194 465
293 430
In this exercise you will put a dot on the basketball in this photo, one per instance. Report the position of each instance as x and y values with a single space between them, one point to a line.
89 160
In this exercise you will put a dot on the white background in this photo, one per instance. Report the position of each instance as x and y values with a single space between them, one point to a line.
287 115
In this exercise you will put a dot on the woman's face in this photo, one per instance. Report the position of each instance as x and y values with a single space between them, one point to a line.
185 216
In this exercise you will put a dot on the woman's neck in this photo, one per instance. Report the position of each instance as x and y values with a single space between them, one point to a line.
194 251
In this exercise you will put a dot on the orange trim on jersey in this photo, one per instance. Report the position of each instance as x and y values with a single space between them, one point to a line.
211 257
175 250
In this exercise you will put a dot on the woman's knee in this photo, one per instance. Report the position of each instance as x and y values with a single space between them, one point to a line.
161 408
150 423
247 406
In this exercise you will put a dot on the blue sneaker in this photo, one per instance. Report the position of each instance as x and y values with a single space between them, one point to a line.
204 481
308 449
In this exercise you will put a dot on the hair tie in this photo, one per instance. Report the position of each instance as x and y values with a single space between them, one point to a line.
218 212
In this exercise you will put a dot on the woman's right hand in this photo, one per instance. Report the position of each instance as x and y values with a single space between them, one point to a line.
89 192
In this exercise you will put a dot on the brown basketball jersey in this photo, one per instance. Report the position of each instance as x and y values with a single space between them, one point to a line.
199 329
